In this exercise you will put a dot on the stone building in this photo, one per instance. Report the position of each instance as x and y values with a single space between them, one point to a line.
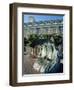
42 27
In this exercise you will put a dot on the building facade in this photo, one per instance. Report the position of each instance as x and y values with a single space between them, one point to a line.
43 27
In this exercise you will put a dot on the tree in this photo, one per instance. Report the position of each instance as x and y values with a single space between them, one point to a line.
25 41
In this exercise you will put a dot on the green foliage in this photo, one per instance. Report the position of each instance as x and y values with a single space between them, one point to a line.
58 40
25 41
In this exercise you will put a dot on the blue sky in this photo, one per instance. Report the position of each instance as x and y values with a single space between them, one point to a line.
42 17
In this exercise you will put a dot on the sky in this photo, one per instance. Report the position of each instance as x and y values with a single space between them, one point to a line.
42 17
